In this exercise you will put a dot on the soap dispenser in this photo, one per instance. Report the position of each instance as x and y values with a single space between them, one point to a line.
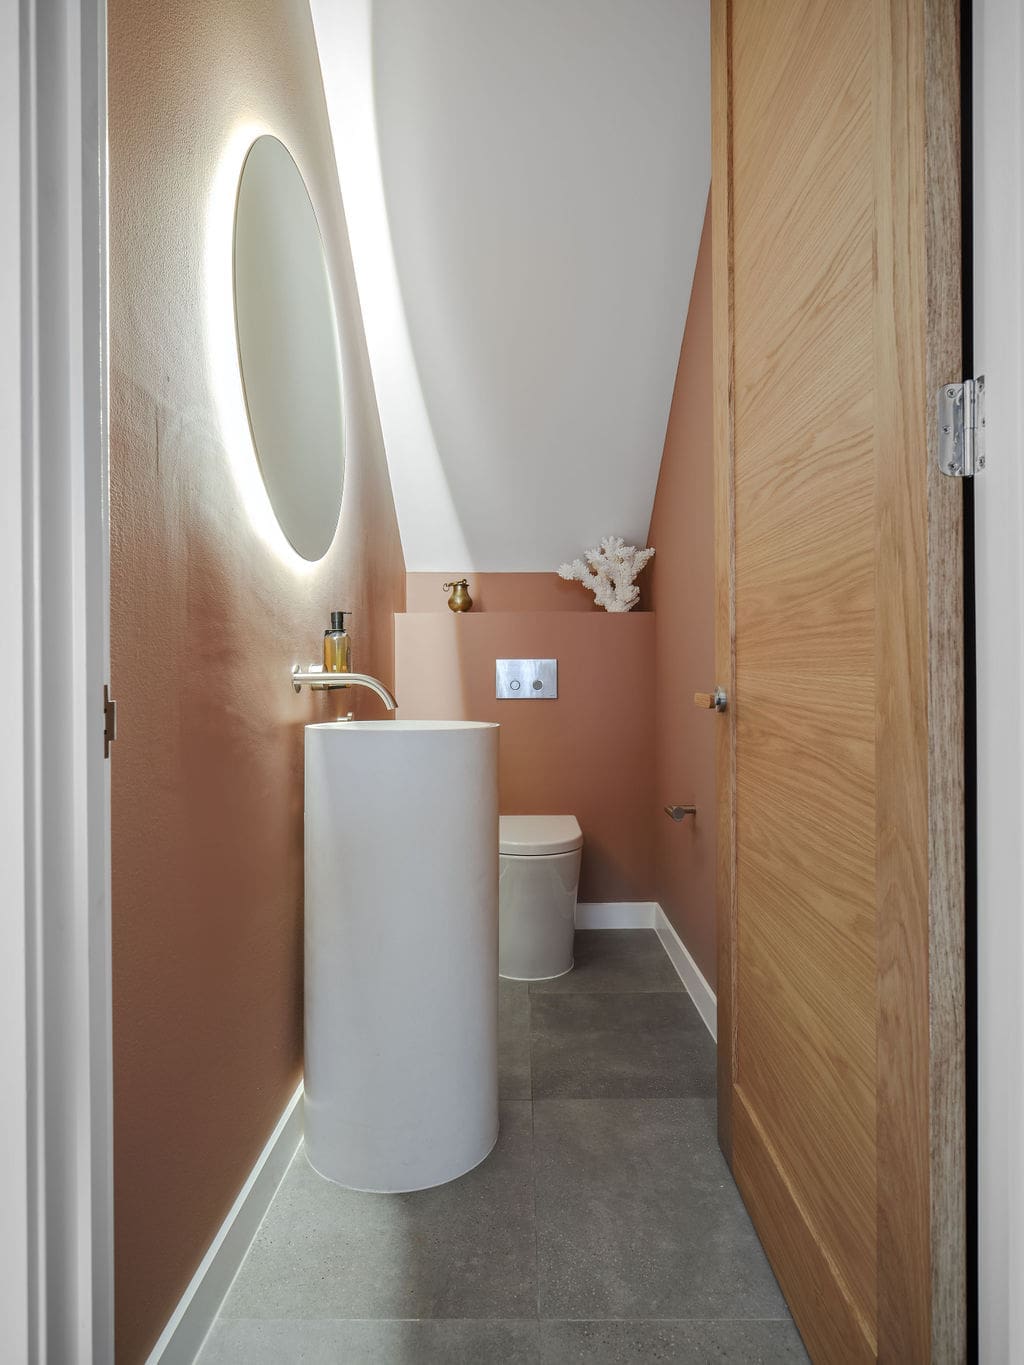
337 645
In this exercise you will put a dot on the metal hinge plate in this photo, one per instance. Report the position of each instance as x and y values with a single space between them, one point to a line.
962 428
109 720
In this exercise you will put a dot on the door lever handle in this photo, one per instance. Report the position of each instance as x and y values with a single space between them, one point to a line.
711 701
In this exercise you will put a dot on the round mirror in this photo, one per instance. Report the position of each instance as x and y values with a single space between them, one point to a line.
288 347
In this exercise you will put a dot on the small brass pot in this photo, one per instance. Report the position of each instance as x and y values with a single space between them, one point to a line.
460 599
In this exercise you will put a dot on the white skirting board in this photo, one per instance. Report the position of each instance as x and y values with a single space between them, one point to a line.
649 915
186 1330
615 914
689 973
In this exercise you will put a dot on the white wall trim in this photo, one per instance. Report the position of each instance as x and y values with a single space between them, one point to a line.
689 973
615 914
187 1327
649 915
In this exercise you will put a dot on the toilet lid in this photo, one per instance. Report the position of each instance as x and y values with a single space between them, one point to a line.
538 834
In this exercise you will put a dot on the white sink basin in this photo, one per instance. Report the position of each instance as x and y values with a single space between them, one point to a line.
401 1084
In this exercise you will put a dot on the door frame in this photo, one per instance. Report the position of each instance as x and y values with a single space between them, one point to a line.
14 1208
54 609
930 1121
998 333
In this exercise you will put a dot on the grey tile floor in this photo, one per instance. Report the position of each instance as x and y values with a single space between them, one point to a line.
604 1227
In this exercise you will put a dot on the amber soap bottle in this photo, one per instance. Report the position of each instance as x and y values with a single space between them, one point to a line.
337 645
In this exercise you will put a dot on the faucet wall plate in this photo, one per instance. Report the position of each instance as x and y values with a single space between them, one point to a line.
525 679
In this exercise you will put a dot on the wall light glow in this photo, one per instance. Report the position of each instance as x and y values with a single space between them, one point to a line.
222 349
428 516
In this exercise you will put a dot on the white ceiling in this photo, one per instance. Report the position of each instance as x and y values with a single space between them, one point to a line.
525 185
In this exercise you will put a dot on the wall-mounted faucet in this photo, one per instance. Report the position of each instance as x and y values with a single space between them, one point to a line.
320 680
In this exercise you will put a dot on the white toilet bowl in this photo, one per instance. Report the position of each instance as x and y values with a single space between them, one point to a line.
539 873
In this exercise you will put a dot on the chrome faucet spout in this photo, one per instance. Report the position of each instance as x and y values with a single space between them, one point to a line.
321 681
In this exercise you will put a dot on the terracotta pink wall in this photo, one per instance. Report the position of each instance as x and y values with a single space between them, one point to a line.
590 753
679 588
206 623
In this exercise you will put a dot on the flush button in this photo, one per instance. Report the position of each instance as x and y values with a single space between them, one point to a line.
526 679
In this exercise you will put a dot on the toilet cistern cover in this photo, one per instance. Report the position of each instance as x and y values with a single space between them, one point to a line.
525 835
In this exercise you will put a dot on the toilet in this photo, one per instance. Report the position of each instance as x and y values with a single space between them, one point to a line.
539 873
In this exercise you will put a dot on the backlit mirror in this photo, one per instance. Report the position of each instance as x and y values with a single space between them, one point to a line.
288 347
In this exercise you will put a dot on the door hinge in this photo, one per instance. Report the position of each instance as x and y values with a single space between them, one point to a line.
962 428
109 720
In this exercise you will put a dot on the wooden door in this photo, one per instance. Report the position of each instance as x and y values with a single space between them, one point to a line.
837 312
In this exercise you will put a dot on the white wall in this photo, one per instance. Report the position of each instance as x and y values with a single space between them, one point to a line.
999 494
524 246
344 34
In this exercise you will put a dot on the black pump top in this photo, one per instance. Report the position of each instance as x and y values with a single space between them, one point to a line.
338 620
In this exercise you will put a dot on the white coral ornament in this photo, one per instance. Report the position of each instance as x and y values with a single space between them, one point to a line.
609 572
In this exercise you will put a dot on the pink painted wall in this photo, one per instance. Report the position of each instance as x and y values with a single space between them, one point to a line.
206 622
679 589
590 753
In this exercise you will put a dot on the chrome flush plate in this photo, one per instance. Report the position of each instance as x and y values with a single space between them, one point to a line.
525 679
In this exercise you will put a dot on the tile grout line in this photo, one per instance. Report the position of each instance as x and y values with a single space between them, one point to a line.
533 1164
713 1320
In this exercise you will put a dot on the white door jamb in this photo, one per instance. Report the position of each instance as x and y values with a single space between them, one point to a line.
998 286
57 619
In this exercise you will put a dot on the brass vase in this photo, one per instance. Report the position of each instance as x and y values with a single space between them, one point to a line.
460 599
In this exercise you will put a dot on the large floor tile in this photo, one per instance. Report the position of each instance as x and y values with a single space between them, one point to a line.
629 1343
638 1215
462 1250
615 960
514 1040
603 1046
251 1341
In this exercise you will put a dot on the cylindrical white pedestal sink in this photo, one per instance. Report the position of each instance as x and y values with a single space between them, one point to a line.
401 1083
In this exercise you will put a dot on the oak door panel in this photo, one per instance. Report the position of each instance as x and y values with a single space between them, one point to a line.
835 127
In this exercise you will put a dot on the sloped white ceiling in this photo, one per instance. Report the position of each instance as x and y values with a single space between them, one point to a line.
525 184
